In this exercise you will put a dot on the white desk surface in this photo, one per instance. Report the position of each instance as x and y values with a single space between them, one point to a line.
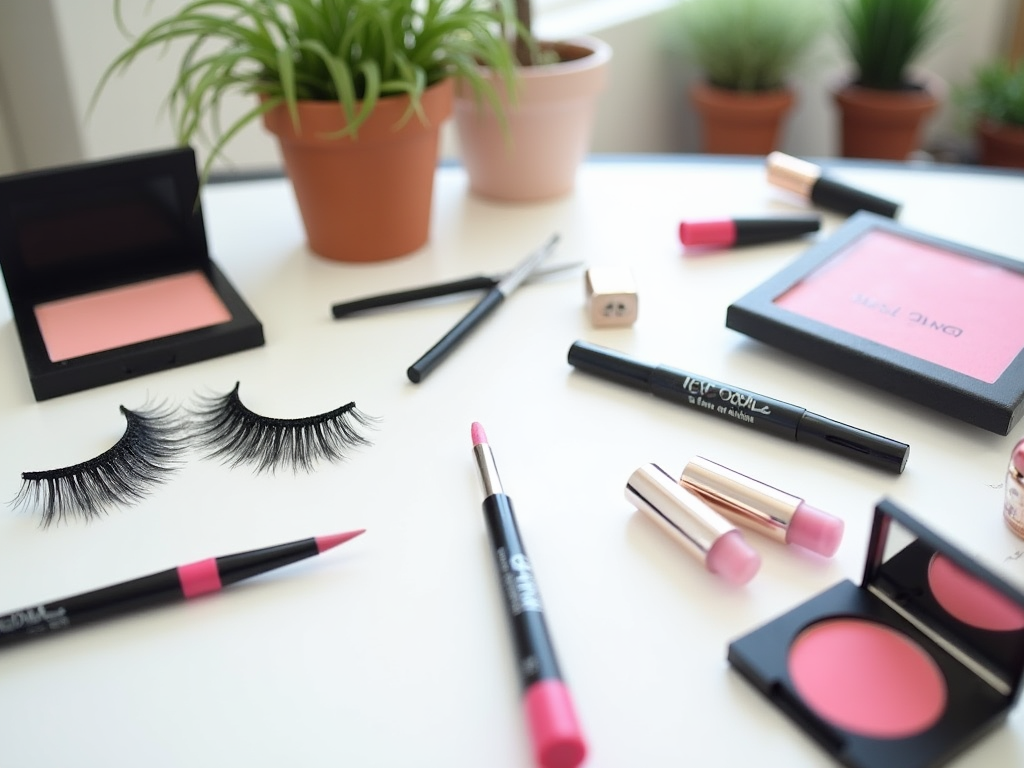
392 650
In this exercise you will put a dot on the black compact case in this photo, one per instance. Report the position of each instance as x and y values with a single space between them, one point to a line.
75 231
995 405
981 665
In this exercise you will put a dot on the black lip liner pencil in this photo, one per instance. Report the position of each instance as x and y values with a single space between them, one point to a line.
183 582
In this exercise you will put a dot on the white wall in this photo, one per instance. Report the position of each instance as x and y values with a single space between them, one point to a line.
40 122
7 164
52 53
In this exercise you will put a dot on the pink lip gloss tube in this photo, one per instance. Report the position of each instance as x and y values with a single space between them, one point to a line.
760 507
705 534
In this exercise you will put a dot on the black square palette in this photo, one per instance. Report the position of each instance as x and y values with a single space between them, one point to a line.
108 272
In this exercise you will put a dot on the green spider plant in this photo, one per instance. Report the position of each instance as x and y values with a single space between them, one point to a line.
354 52
884 37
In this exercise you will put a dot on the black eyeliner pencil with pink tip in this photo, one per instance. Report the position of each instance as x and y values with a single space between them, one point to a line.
180 583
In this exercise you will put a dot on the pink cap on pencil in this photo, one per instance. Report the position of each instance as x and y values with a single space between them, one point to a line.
557 736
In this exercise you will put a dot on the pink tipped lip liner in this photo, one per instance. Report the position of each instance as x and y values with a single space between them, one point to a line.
554 729
183 582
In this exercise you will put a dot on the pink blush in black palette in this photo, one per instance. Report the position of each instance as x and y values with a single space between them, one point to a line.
909 667
926 319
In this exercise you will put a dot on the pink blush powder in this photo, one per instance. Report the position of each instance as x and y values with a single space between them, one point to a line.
129 314
867 679
943 307
971 601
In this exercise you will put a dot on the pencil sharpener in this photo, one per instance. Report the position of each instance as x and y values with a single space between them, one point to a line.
611 296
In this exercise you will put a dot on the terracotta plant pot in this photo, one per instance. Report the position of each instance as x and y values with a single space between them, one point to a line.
366 198
885 125
740 123
1000 144
548 123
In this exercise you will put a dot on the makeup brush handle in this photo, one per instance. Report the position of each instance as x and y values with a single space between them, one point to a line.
419 370
348 308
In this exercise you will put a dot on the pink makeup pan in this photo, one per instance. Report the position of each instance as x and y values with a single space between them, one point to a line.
909 667
887 687
921 300
970 600
117 317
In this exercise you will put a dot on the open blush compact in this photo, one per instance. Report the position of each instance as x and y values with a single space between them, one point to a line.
108 272
908 668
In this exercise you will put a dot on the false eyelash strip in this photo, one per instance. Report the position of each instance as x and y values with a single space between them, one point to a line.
142 458
227 430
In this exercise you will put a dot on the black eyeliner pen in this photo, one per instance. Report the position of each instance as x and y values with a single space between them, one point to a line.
740 406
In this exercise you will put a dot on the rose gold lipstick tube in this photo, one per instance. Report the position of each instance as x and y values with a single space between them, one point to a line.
1013 505
760 507
688 520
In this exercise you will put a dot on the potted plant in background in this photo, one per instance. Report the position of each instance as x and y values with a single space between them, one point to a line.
993 101
355 91
746 51
884 105
526 143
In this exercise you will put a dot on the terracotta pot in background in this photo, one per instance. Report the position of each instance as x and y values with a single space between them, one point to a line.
366 198
886 125
548 122
739 122
1000 145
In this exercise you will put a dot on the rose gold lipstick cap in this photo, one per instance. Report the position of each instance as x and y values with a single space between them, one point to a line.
792 173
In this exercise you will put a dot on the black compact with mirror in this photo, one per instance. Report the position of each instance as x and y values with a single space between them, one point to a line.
906 669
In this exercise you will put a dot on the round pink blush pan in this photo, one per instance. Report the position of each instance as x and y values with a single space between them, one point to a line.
867 679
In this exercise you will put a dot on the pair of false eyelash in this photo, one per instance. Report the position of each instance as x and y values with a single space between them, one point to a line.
151 448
